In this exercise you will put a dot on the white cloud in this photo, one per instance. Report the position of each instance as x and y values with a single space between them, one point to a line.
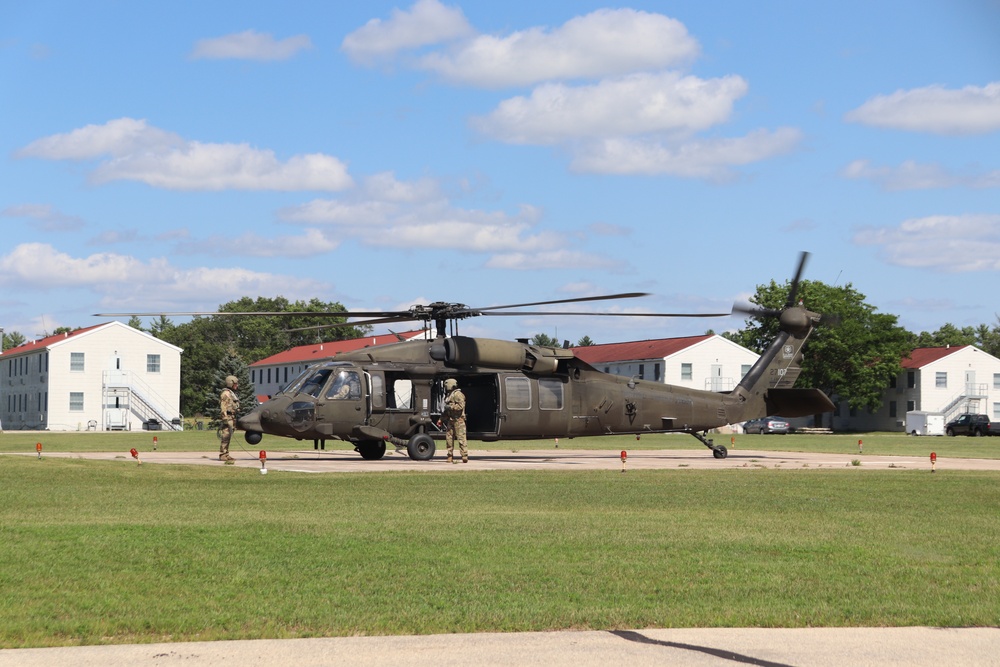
45 217
934 109
140 152
637 104
911 175
710 159
939 242
118 138
126 282
249 45
607 42
390 213
552 259
312 242
427 22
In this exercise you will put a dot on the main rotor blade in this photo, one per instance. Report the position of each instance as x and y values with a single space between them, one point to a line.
627 295
795 281
287 313
382 320
531 312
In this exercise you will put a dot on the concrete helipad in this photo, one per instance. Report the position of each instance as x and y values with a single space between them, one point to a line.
320 461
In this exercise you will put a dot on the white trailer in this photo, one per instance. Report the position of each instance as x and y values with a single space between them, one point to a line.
919 422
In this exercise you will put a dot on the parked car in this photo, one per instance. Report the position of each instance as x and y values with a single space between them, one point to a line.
970 424
766 425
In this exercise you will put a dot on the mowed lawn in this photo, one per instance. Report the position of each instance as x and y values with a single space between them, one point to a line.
113 552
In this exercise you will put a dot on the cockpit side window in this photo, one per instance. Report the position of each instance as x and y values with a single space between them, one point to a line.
315 383
347 385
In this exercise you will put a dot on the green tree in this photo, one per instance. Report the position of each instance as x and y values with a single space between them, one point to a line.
854 360
135 322
207 340
59 330
585 342
12 339
230 364
160 326
544 340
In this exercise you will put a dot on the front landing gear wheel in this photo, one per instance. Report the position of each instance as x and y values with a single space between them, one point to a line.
720 452
421 447
371 451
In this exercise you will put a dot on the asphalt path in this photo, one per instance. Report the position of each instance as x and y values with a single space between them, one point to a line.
342 460
799 647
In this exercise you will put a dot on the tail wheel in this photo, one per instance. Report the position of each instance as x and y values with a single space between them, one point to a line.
421 447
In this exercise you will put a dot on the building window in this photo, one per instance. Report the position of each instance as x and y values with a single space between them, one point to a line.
687 372
76 362
518 393
941 380
152 363
892 382
642 371
744 369
550 394
892 408
656 372
996 380
996 411
910 405
911 379
76 401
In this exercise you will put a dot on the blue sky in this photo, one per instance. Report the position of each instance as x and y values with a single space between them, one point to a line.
176 156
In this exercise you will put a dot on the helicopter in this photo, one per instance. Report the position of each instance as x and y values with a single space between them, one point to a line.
394 394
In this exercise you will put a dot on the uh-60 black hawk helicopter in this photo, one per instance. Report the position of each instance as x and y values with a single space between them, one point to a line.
394 394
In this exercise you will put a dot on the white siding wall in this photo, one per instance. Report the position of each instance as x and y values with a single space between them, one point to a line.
113 347
715 351
927 396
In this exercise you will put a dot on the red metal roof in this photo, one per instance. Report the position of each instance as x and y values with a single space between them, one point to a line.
922 356
313 353
642 349
48 341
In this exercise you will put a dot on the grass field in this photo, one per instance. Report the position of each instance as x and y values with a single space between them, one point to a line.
104 552
875 444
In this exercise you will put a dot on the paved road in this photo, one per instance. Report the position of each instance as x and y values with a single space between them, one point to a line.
313 461
801 647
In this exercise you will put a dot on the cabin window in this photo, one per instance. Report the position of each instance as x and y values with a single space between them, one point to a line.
378 393
941 380
400 393
550 394
518 393
315 383
687 372
76 401
76 362
152 363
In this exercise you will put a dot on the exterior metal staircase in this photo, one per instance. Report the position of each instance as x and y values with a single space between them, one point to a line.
126 394
967 401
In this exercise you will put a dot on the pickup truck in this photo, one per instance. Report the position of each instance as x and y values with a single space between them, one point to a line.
974 425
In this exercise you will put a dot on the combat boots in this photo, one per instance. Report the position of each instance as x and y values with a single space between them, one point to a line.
226 457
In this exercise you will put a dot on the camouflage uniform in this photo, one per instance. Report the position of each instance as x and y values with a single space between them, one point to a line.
454 412
228 405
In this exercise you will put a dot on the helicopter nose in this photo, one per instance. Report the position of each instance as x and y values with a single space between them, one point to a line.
249 421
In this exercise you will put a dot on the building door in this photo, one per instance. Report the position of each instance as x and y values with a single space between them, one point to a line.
716 381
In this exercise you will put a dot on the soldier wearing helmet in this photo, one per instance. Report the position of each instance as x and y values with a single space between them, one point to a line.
454 414
229 403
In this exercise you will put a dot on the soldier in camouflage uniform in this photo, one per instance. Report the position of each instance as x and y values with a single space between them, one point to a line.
454 413
228 405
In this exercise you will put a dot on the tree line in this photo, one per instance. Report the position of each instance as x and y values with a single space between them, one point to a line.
854 359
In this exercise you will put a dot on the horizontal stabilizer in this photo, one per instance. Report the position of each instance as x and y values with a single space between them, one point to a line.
797 402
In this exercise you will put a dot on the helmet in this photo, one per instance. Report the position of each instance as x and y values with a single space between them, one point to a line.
450 384
231 381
